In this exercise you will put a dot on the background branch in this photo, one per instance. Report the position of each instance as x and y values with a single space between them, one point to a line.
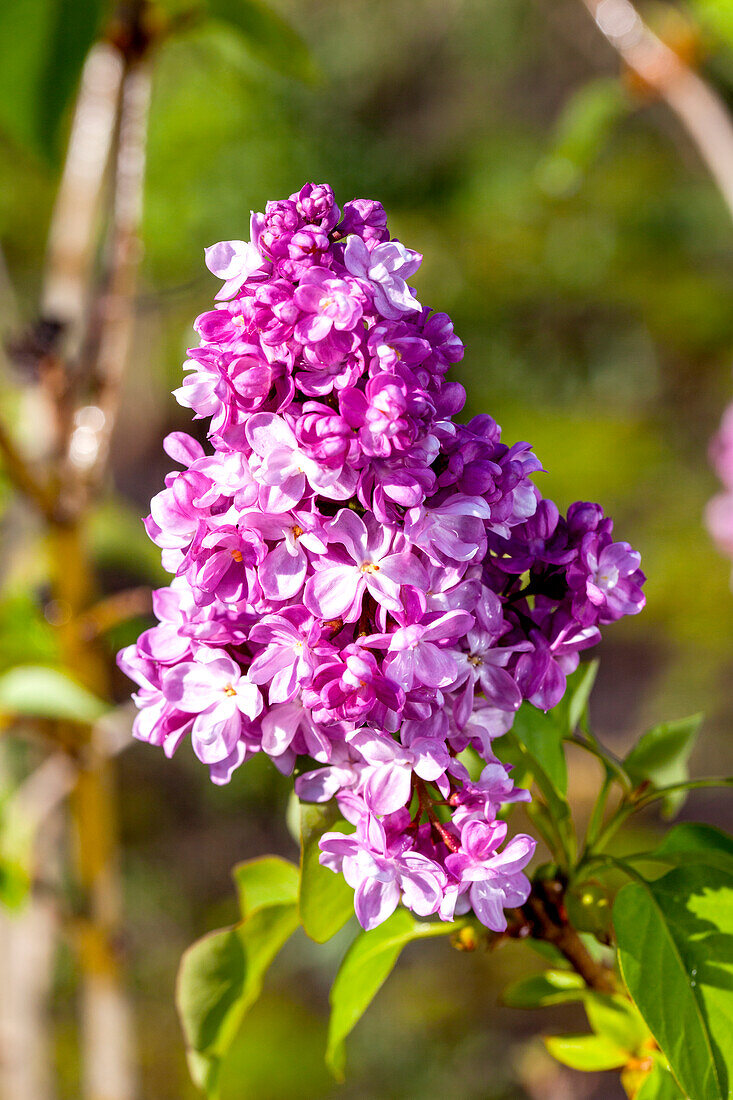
699 108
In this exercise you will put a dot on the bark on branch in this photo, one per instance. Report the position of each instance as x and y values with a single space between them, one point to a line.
546 919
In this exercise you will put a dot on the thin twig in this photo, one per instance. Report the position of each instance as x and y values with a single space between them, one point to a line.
699 108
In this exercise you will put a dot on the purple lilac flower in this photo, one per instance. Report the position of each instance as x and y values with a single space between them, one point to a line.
363 587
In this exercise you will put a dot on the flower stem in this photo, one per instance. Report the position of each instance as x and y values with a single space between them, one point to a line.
546 918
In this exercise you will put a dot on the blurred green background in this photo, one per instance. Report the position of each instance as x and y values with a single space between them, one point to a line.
571 232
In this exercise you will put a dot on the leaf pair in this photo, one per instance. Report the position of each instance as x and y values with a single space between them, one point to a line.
221 975
325 905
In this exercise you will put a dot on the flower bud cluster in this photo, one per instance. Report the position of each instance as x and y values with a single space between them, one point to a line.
363 588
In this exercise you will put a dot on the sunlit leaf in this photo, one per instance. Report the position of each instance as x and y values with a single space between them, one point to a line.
586 1052
617 1019
366 966
675 943
41 692
268 880
659 1084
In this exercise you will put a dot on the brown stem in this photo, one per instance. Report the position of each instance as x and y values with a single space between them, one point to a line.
544 917
699 108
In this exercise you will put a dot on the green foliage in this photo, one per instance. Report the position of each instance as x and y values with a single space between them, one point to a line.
542 737
553 987
221 975
267 36
675 945
45 43
325 901
661 754
619 1034
659 1084
586 1052
615 1018
534 746
573 706
37 691
366 966
696 839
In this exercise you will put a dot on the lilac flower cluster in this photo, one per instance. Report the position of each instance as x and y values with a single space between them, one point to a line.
363 588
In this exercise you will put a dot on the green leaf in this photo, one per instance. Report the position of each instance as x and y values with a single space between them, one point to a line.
268 880
366 966
695 838
268 37
41 692
572 711
513 749
554 987
325 901
43 44
689 843
210 984
661 754
221 975
659 1085
586 1052
542 736
675 946
617 1019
